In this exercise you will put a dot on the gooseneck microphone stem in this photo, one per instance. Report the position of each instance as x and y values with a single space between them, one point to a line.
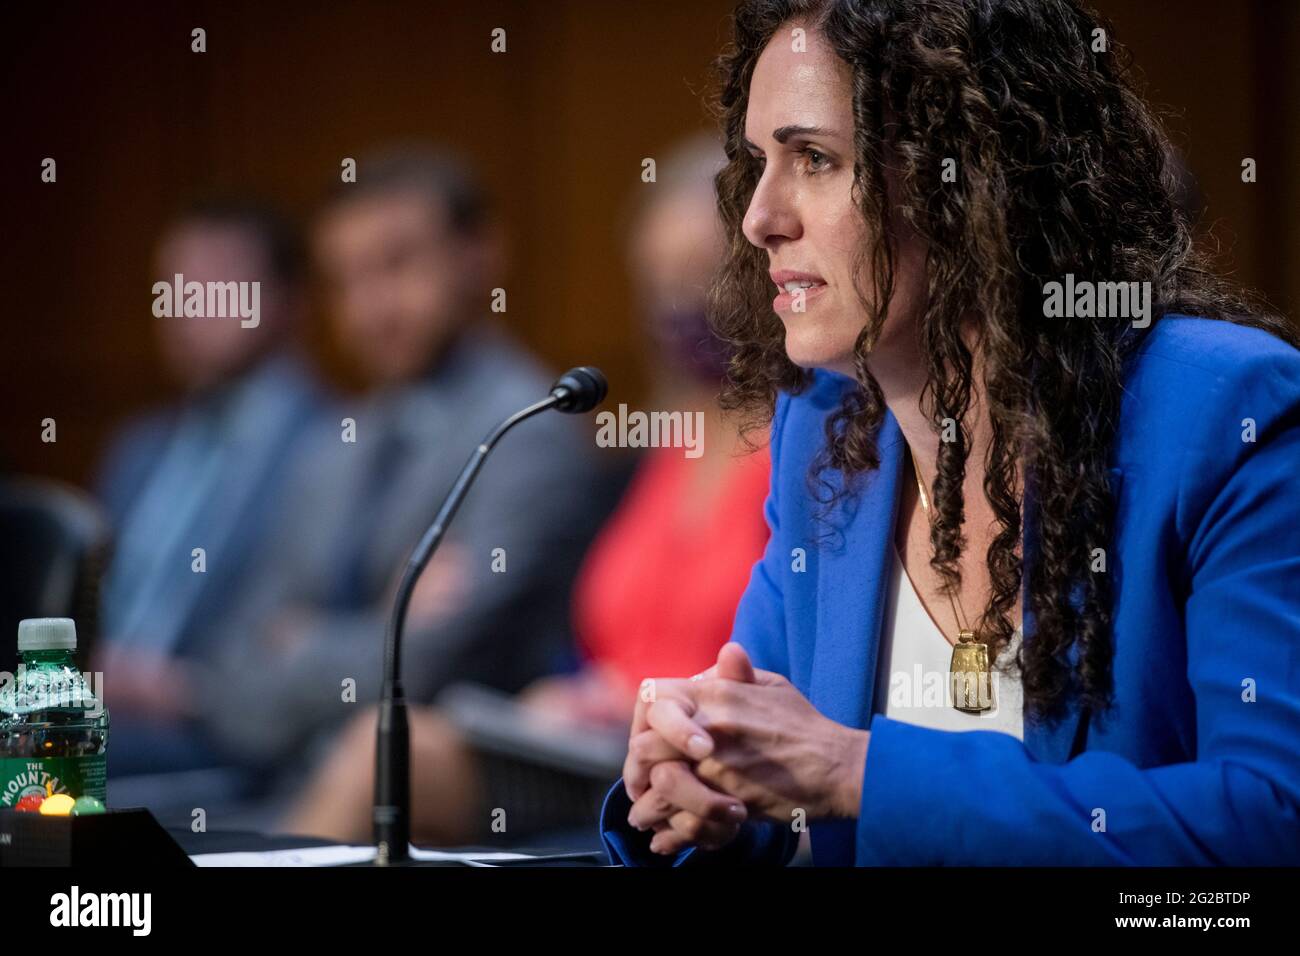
393 751
578 390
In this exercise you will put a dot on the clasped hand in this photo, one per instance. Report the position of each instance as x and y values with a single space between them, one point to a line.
731 744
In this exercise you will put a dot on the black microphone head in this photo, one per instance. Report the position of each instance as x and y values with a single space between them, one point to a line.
580 389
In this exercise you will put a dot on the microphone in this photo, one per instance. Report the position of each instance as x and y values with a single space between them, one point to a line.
577 391
580 389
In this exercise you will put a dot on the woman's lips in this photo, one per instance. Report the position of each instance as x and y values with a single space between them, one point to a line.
784 302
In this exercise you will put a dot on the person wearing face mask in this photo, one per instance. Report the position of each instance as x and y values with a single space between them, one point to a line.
1070 514
657 590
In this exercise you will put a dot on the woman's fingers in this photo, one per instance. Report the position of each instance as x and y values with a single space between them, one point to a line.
672 719
668 718
650 810
680 809
674 787
654 689
674 828
685 829
645 750
651 691
645 694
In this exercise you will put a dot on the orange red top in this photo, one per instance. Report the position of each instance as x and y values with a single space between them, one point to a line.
658 590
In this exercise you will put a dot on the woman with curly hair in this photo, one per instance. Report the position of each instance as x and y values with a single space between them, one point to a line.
1032 592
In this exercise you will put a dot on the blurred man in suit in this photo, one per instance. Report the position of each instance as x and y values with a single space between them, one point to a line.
192 488
656 593
409 255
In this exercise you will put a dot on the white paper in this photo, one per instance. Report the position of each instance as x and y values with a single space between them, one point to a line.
418 854
341 855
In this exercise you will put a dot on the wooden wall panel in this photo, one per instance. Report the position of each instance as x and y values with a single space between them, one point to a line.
557 126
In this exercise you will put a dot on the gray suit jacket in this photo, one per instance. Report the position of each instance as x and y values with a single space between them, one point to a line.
534 499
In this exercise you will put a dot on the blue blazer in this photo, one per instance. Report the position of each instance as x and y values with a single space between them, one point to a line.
1198 762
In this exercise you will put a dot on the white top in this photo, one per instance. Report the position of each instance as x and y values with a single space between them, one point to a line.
912 674
47 634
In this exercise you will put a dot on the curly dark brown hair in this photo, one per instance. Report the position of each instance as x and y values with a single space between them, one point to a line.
1062 169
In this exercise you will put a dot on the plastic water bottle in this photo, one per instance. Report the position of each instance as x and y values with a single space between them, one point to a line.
53 730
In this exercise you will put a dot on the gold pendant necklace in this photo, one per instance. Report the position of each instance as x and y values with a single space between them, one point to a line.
970 676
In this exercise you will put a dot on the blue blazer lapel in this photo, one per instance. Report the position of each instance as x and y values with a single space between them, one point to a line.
854 569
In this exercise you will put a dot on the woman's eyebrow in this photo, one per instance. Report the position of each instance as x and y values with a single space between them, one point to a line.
784 133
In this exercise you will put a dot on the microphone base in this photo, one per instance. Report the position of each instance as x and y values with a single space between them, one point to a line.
392 813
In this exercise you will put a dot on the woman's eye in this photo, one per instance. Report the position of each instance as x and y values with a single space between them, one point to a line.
817 160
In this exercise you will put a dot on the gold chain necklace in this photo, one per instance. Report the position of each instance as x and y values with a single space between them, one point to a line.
969 674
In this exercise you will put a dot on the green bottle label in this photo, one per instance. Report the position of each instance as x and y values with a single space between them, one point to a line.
75 776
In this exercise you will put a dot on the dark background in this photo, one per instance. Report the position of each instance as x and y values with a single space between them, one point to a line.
557 127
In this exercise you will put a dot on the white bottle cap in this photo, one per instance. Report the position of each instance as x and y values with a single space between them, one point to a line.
47 634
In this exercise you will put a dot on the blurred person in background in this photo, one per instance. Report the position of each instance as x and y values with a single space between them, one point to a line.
658 589
209 472
409 256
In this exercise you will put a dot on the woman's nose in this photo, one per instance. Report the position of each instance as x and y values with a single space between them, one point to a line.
770 218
